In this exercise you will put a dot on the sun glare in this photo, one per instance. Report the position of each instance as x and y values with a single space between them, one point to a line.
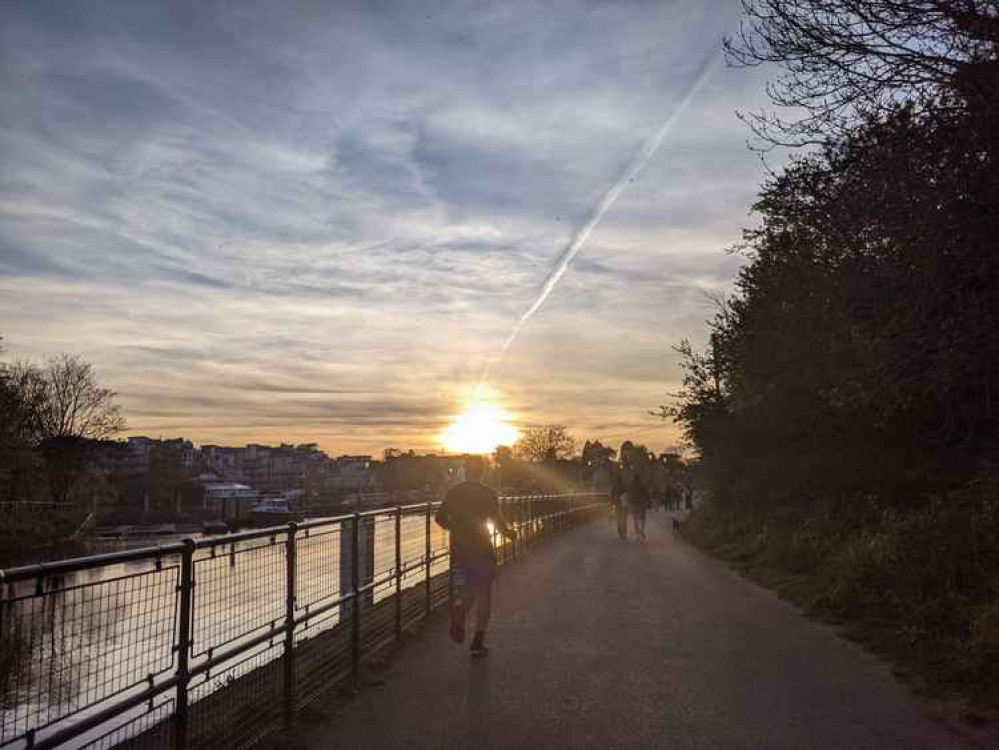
480 429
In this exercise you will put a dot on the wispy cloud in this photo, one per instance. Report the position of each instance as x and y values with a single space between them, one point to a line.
319 221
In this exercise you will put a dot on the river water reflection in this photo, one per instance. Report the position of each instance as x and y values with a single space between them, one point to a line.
70 642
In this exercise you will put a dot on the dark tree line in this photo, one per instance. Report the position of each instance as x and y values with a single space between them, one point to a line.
51 414
859 354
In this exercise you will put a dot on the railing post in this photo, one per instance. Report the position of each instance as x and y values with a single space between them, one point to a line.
525 513
398 572
506 541
289 622
186 592
525 522
539 514
355 584
429 550
532 511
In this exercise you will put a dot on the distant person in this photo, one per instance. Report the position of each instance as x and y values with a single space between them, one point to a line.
466 510
638 501
668 497
619 499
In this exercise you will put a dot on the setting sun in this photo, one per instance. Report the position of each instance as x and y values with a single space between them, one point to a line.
479 429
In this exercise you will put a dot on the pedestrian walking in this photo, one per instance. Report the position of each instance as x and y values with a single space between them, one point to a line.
619 499
638 502
465 511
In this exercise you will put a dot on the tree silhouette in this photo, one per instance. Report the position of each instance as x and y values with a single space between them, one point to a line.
847 61
74 405
550 442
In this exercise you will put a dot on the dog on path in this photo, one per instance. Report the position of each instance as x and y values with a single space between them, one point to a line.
676 526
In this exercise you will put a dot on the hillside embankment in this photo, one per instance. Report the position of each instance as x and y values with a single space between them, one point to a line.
31 536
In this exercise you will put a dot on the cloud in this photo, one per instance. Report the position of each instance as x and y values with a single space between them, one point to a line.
319 221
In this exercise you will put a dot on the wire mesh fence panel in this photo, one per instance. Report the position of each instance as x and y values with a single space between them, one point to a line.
319 566
440 589
239 590
414 604
148 728
414 547
70 642
322 656
439 546
382 568
238 703
377 624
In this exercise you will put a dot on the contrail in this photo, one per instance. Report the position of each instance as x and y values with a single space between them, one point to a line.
643 157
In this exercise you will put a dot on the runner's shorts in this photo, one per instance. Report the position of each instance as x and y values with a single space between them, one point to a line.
473 572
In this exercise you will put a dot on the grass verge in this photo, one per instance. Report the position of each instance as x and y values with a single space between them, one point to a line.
919 587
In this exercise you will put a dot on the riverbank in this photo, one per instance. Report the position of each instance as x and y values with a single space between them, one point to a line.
918 587
29 536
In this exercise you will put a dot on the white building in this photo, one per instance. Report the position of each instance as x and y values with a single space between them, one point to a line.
227 498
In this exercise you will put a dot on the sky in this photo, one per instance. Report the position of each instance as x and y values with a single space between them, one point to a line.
320 221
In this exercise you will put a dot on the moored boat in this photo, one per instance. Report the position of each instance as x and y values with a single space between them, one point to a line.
215 527
271 512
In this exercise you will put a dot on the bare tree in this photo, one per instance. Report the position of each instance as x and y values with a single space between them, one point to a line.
23 397
52 411
845 60
547 442
74 405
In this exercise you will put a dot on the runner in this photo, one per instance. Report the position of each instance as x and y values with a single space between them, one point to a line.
466 509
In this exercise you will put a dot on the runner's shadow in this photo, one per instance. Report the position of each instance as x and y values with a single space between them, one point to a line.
478 703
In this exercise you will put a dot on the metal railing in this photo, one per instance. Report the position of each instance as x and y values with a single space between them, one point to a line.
39 505
217 642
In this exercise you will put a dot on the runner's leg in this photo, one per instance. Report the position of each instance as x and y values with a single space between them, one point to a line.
460 604
483 607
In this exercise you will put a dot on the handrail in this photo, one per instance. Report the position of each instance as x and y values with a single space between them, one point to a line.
72 564
58 567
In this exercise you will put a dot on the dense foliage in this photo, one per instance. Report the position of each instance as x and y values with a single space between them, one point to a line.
859 355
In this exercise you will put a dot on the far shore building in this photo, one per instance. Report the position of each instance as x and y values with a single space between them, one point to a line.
226 499
354 474
281 469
